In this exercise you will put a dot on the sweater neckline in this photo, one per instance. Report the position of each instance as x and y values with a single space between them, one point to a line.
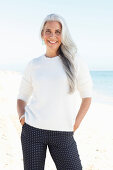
51 58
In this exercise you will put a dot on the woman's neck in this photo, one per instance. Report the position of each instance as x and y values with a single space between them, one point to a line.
51 54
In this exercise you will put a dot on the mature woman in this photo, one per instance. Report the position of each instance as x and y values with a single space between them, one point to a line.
45 102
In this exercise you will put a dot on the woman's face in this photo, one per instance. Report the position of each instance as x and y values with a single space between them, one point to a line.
51 35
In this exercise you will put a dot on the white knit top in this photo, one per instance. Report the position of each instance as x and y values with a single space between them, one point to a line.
44 86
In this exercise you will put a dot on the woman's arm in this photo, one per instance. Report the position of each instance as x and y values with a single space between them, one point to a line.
25 91
21 109
82 111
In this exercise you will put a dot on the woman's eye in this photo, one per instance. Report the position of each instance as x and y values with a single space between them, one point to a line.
58 32
47 31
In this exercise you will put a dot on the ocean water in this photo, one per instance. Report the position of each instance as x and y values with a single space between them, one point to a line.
103 86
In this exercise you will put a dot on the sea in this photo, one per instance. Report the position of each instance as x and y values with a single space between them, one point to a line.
102 86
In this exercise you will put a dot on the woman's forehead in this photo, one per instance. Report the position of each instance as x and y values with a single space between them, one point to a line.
52 24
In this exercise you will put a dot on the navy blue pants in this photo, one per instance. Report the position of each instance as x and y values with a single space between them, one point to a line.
61 144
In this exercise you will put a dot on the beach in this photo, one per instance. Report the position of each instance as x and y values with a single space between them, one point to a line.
94 137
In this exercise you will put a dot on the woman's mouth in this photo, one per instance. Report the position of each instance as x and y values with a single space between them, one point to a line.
52 42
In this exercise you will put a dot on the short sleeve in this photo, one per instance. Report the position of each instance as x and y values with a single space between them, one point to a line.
84 80
25 89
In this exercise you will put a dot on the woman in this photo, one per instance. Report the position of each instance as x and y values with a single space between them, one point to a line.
45 102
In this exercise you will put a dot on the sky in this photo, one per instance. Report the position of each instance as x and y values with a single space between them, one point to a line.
90 24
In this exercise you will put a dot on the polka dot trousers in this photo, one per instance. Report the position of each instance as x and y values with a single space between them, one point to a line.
61 144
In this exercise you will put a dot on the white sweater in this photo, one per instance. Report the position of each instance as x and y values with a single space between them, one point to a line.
44 86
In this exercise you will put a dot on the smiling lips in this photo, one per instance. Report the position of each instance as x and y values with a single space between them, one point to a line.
52 42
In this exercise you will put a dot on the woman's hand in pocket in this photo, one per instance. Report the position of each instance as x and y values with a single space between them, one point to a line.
76 125
22 121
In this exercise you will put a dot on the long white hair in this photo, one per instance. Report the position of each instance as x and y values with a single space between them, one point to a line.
67 50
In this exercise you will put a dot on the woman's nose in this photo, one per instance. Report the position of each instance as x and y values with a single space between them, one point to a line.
52 34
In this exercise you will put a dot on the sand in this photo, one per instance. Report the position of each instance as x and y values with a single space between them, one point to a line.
94 137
